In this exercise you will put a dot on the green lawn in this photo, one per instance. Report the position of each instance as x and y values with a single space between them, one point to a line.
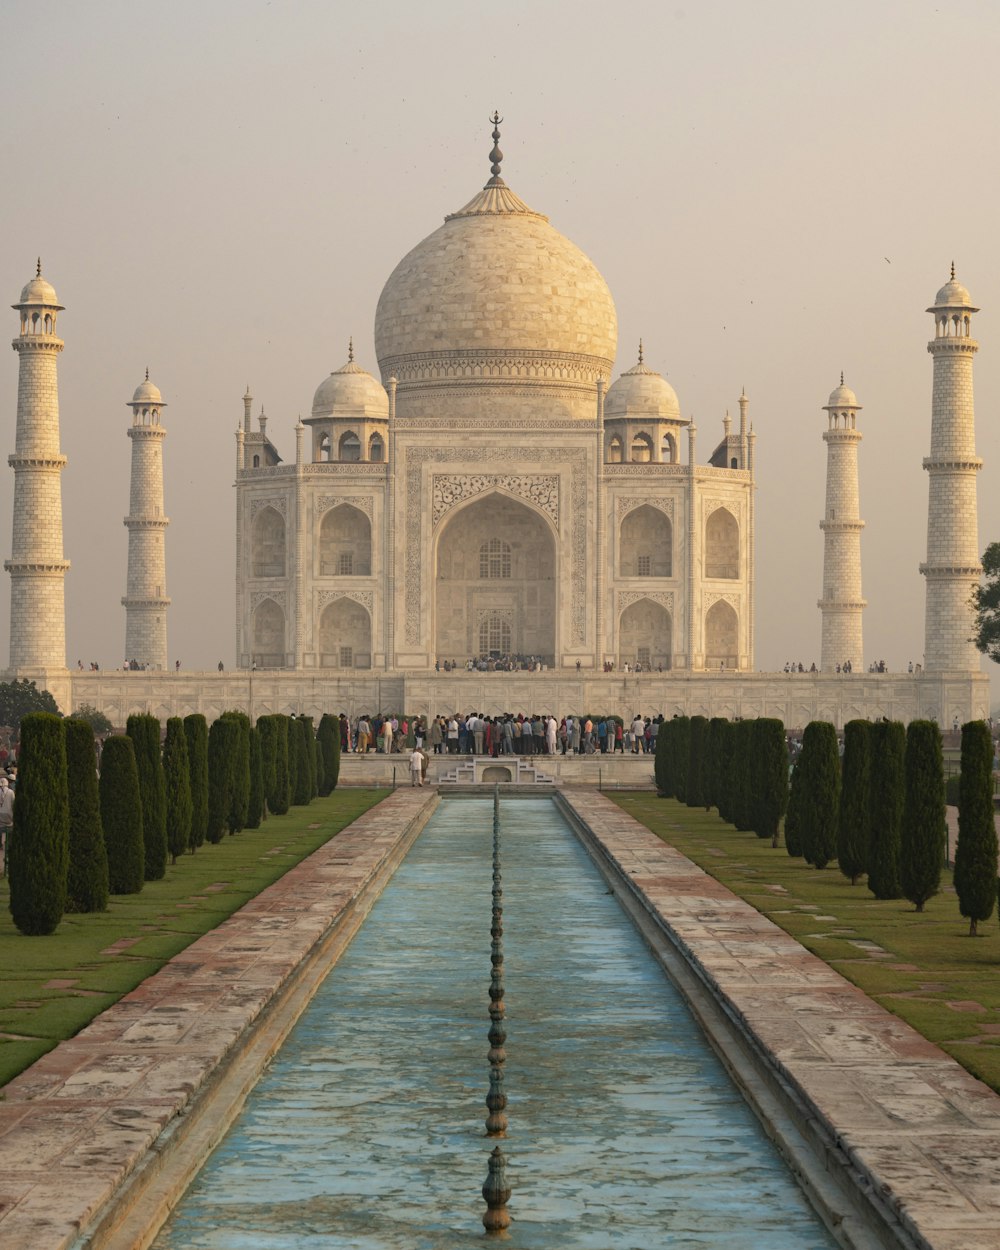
924 967
50 987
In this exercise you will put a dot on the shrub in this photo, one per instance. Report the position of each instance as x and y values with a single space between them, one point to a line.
724 777
819 766
87 879
300 731
886 784
196 733
223 746
975 874
923 831
662 771
293 757
855 801
697 762
680 756
741 776
713 770
96 719
177 775
793 817
255 810
121 816
952 789
239 795
39 840
145 734
768 776
274 751
328 737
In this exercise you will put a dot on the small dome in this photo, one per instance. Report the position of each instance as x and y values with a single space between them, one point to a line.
843 397
953 295
641 392
38 292
350 391
146 394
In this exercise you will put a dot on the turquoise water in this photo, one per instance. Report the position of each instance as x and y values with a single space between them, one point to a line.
367 1130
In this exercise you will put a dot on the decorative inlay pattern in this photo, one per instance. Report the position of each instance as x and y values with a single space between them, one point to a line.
415 506
713 596
257 597
364 503
627 503
664 597
495 366
732 506
449 489
325 597
277 502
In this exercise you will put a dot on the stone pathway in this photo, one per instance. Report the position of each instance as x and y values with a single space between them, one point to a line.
918 1127
79 1121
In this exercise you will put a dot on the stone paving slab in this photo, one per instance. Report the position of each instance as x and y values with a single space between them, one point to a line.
922 1130
76 1124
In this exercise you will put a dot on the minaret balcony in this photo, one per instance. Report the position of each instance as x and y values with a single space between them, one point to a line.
970 464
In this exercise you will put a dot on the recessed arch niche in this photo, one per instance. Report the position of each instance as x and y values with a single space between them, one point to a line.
722 545
268 544
645 635
645 543
495 564
345 635
345 543
721 636
268 633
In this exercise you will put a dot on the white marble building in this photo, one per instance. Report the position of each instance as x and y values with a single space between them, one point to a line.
493 495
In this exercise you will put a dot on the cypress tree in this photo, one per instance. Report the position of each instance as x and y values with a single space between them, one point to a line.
742 776
975 875
300 732
820 793
853 830
768 776
223 748
662 771
145 734
121 815
318 767
276 771
311 756
713 769
328 737
293 758
793 818
680 757
267 733
196 733
887 785
177 775
38 860
255 810
87 880
923 832
239 795
697 764
724 777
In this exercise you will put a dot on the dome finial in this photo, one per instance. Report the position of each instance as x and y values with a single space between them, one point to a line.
147 373
953 271
38 268
496 156
640 351
841 377
350 350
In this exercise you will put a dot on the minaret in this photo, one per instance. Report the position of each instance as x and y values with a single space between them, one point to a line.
146 599
952 568
842 604
37 568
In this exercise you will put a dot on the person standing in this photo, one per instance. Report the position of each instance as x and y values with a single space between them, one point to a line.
416 767
6 821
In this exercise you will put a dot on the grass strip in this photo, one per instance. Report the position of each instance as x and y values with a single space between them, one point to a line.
51 987
922 967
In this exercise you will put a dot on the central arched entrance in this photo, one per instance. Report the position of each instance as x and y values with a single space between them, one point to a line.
495 583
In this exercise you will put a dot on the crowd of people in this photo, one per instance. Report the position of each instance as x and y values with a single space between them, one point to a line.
475 734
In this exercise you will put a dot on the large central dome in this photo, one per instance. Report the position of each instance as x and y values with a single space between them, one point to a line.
496 313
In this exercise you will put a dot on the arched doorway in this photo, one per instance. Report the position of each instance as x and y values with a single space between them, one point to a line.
345 635
645 636
721 636
495 580
268 634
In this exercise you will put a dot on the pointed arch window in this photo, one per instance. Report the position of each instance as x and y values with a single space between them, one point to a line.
494 559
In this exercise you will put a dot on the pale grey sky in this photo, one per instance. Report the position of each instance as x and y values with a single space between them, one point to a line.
774 192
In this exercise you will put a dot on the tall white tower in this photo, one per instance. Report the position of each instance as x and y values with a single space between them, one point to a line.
37 568
952 568
842 604
146 600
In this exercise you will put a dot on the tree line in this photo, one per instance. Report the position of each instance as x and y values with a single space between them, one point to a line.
82 833
878 811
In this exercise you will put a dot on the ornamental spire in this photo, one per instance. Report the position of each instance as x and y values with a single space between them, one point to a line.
496 156
640 351
350 350
952 270
38 268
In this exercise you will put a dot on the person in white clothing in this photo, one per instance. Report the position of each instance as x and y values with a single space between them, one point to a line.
416 767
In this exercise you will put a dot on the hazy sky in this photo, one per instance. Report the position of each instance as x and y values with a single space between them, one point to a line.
773 192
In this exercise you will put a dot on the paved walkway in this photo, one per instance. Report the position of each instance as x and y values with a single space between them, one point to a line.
79 1121
921 1129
